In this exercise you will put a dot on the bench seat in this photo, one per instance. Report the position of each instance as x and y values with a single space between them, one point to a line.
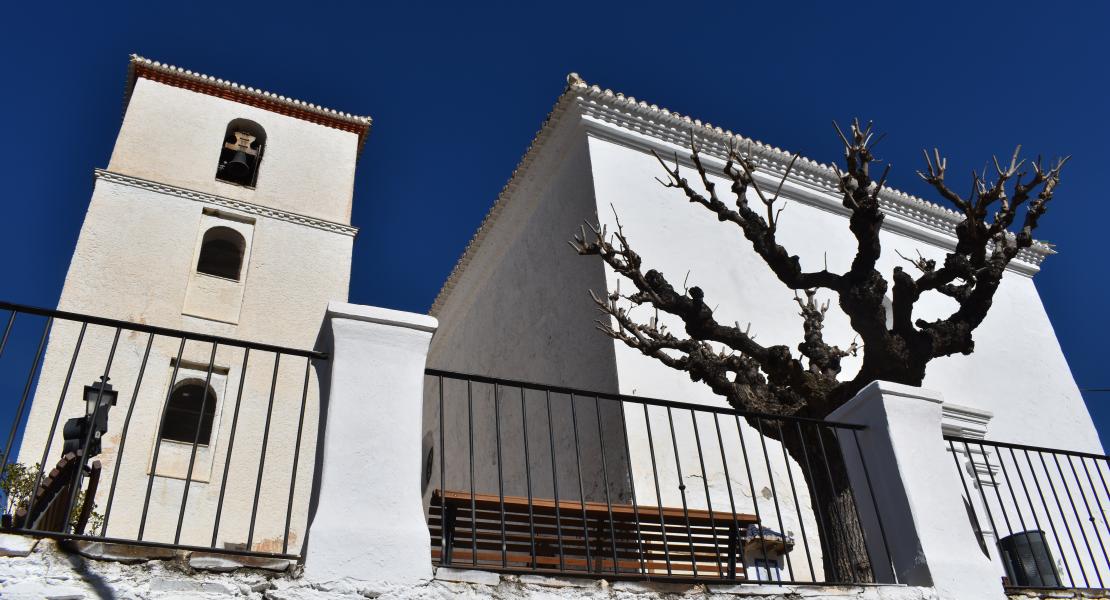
512 532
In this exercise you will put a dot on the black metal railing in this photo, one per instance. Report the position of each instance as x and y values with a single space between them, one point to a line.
204 449
1040 512
520 477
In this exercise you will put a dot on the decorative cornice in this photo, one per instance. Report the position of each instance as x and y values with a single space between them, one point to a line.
627 113
964 421
620 112
220 88
231 203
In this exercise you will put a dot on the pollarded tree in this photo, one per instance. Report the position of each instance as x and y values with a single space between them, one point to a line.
773 379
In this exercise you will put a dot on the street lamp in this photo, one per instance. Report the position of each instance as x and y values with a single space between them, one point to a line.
99 397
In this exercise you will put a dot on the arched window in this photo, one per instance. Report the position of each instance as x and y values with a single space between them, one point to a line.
221 253
241 153
191 405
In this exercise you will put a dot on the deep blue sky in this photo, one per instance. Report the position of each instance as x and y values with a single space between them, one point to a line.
456 92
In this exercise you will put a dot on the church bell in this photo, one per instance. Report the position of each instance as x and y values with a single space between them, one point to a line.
239 166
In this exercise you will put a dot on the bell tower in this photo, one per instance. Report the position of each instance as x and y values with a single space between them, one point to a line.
224 209
224 212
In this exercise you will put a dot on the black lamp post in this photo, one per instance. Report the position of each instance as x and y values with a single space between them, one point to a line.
99 397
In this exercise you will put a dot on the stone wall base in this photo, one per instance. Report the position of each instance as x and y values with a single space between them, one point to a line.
60 571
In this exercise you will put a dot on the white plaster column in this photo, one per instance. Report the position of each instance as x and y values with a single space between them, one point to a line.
917 492
369 521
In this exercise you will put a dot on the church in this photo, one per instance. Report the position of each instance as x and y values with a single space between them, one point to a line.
206 302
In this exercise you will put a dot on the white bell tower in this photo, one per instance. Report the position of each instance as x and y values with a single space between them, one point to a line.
224 211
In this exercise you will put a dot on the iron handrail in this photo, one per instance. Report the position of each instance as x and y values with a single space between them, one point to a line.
156 330
556 389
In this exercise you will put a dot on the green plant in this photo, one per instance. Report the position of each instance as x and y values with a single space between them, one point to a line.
17 483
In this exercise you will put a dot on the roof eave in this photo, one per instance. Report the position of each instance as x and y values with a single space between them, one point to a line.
139 66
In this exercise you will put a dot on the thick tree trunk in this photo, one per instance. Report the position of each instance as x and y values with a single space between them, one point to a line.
816 451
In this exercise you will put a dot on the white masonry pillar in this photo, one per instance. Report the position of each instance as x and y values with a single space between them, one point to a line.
369 521
917 492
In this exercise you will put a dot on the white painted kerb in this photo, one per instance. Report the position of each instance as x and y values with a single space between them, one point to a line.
917 492
369 522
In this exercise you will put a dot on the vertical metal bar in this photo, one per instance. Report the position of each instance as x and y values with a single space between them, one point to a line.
774 492
963 482
500 478
230 447
296 456
682 494
875 505
1098 502
1078 520
605 483
123 435
1010 486
658 495
832 488
994 483
581 488
158 439
721 568
632 484
822 528
1048 517
555 481
57 414
80 471
262 454
734 536
797 505
528 477
755 499
196 442
1091 518
470 447
1064 518
7 330
26 391
1032 509
442 455
1101 478
979 484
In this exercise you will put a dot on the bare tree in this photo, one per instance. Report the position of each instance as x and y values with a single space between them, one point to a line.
774 380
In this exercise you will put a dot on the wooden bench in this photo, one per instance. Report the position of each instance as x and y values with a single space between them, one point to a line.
542 535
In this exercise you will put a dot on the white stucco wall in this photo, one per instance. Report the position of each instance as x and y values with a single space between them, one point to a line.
174 136
515 312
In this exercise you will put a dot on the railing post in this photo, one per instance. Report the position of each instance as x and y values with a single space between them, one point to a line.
368 522
916 492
